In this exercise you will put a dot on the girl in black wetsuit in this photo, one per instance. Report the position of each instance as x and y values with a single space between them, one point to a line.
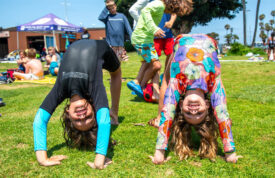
86 120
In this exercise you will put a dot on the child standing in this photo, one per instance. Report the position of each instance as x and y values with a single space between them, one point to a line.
166 44
143 39
116 25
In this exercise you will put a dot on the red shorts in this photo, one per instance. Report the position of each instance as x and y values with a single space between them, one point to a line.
165 44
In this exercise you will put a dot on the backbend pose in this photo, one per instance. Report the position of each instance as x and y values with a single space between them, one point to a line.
194 73
86 120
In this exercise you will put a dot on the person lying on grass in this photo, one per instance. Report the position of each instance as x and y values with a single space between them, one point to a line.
195 73
86 119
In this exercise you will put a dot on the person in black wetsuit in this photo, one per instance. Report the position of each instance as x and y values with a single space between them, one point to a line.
86 120
271 45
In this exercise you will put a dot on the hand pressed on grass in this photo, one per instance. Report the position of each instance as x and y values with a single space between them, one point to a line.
100 162
232 158
159 157
43 159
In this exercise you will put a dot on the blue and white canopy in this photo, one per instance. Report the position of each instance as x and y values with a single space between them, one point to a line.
49 22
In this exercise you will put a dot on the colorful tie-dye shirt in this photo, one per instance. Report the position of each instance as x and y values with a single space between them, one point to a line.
195 65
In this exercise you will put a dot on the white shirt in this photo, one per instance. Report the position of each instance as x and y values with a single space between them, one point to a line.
136 8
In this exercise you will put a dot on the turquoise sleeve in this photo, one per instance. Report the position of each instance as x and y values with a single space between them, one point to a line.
103 132
40 129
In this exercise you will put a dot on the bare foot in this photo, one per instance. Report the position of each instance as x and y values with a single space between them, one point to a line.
154 122
155 99
114 118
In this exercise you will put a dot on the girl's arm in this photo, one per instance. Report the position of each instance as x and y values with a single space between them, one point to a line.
103 136
218 102
40 140
171 99
40 123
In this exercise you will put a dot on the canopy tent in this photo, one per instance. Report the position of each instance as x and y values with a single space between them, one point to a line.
49 22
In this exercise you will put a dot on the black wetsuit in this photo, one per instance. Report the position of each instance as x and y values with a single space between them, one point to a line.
81 73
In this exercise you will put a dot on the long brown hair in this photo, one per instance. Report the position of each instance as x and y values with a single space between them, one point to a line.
179 7
181 136
75 138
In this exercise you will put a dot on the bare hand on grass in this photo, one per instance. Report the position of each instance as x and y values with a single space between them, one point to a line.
232 158
107 162
156 161
54 160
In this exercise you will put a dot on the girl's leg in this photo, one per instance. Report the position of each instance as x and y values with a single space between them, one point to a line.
166 77
155 82
115 94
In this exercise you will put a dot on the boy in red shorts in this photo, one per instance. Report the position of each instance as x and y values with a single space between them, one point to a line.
166 43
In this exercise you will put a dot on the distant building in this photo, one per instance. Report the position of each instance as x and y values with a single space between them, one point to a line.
9 41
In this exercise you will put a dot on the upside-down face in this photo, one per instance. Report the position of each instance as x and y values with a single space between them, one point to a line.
194 106
81 113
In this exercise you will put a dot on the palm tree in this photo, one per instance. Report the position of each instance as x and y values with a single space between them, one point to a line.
256 23
235 37
261 17
227 27
214 35
273 14
228 38
263 36
271 22
244 22
261 24
267 28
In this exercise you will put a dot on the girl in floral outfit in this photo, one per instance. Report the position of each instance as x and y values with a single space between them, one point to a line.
195 73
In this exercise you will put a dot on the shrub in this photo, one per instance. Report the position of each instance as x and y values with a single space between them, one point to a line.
258 51
239 49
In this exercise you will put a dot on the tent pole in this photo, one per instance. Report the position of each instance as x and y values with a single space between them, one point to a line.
54 42
17 36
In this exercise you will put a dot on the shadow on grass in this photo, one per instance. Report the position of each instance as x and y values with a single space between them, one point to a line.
137 99
55 148
196 140
114 127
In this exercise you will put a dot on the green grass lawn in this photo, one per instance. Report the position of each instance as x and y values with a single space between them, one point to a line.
250 91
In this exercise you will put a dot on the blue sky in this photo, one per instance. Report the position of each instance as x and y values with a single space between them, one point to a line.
85 13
